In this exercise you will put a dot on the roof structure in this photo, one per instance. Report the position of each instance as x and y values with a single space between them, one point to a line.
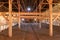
33 4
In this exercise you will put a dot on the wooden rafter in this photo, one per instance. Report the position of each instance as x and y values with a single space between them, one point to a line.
15 5
34 5
21 7
40 4
1 4
23 4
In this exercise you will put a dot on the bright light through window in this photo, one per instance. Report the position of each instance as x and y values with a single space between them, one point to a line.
28 9
35 19
22 19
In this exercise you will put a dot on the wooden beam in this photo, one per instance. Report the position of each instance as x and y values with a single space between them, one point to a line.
39 5
15 5
1 4
51 22
10 19
38 17
24 5
33 13
56 17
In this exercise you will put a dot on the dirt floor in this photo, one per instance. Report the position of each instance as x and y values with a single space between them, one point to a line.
31 32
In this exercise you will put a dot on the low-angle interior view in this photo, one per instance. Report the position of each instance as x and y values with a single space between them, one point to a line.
29 19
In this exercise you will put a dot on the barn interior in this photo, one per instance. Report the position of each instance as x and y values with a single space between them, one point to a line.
29 19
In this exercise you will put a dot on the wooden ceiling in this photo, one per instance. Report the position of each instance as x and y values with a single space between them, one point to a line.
24 4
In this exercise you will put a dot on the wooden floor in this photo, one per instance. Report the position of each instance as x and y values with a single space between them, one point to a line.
31 32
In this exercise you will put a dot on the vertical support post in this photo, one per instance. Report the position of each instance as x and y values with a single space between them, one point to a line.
18 2
0 27
10 19
51 24
39 15
40 24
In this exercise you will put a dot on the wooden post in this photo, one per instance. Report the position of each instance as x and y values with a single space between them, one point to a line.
39 15
18 2
51 24
40 24
10 19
